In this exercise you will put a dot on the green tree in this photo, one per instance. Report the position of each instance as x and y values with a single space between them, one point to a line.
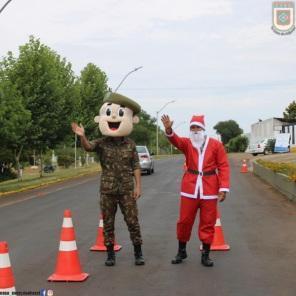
144 132
290 111
46 84
238 144
14 121
228 130
93 87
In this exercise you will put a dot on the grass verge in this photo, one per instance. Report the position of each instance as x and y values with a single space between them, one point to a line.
156 157
288 169
32 180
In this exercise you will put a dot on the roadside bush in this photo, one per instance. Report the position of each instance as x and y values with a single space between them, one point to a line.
47 159
238 144
66 156
7 173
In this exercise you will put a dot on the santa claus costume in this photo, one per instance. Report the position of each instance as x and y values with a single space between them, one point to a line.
207 174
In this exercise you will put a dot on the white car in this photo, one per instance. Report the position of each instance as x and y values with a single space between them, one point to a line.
260 147
146 161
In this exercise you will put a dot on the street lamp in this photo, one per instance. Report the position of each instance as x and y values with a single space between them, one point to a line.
157 112
136 69
3 7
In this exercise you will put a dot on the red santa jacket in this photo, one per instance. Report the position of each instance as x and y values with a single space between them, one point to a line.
213 157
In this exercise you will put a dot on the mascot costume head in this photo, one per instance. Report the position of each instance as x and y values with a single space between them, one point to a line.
117 115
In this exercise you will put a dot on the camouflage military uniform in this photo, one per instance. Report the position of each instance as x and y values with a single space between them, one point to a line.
119 159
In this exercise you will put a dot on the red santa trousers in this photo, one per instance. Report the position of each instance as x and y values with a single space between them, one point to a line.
208 214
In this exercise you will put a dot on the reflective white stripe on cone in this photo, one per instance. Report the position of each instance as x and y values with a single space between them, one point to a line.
68 266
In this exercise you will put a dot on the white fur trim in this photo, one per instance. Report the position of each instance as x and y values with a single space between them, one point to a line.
197 124
170 135
188 195
224 190
209 197
199 186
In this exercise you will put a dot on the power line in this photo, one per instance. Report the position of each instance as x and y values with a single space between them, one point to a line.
5 5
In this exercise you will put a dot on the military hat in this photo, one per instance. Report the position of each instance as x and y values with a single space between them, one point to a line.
119 99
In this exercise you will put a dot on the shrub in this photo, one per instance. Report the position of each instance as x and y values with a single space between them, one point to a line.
7 173
238 144
66 156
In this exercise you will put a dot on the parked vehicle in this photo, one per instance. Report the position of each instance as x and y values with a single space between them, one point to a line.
265 146
49 168
146 161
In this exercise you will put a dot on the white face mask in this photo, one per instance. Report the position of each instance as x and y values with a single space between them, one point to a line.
197 137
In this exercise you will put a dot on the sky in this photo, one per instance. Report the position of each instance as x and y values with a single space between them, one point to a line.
219 58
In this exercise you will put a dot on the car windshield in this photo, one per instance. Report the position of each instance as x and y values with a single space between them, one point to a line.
141 149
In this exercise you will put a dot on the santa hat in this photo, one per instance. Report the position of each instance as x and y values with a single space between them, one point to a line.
198 120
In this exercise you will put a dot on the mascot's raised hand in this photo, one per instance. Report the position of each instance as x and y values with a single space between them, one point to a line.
78 130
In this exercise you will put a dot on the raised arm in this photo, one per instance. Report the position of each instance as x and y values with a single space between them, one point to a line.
79 131
178 142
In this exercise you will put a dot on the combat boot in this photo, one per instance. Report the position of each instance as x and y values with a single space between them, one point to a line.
110 261
205 259
139 258
182 254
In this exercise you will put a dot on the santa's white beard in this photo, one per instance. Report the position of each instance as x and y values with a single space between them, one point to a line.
197 138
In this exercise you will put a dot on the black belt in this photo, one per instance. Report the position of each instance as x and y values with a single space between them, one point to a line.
208 173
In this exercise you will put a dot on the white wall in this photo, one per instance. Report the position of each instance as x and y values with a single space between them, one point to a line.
265 129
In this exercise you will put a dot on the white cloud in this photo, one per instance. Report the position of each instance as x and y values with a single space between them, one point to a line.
223 53
79 20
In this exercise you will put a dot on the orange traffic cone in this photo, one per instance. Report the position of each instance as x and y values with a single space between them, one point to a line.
218 243
244 168
100 245
6 274
68 267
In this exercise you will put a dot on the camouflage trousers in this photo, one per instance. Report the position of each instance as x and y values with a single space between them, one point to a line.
129 209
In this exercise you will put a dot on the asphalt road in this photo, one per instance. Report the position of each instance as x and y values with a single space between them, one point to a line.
258 223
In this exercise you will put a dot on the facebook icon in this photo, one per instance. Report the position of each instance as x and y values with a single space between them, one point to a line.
43 292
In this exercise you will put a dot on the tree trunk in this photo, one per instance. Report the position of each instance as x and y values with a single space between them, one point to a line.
41 165
17 156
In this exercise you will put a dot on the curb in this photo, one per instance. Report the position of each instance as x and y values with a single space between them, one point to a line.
279 181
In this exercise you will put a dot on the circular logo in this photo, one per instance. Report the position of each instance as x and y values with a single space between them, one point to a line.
49 292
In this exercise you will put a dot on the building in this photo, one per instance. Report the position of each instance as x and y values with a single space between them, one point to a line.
269 128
